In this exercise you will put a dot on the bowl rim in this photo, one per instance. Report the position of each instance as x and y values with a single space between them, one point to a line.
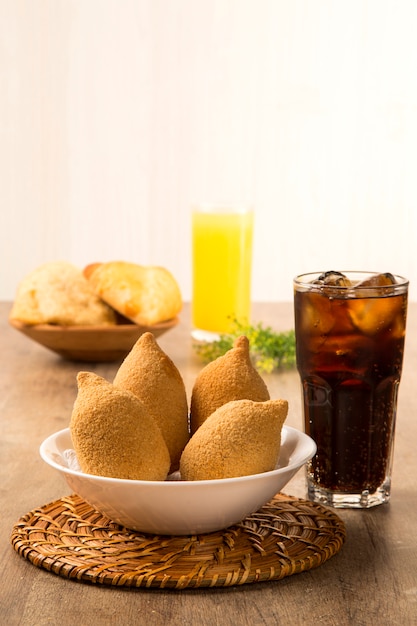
84 328
311 449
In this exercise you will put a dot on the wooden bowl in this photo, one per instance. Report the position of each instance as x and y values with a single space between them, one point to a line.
91 343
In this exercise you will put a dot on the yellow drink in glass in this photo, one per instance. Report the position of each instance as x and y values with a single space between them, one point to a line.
222 263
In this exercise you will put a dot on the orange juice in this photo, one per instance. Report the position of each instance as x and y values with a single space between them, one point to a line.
222 260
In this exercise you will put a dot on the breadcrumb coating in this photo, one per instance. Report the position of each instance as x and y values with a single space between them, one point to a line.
113 433
151 375
240 438
229 377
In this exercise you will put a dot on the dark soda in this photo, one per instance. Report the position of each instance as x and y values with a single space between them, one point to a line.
350 331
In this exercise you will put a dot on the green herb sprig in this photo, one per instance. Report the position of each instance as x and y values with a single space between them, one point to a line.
269 350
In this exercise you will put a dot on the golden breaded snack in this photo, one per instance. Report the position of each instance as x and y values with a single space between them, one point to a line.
146 295
113 433
150 374
240 438
58 293
229 377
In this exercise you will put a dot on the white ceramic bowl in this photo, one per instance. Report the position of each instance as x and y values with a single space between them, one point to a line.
180 507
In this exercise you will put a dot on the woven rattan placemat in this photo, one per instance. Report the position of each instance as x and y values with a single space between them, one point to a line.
286 536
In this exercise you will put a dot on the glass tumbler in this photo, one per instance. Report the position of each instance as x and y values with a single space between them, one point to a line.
222 262
350 331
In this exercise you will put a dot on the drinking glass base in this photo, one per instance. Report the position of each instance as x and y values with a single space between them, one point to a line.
341 500
204 335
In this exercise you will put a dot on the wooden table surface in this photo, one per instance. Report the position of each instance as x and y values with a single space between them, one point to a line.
372 580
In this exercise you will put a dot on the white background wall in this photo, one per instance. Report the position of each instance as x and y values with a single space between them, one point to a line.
115 115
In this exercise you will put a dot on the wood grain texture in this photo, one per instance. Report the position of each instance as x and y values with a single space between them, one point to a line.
371 581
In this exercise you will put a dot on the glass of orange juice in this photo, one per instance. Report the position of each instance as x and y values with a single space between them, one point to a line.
222 265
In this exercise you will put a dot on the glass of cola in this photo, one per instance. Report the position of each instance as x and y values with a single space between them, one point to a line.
350 331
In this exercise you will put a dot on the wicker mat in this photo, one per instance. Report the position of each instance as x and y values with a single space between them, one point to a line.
286 536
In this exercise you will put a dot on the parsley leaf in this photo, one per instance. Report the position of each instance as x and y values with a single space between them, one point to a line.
269 350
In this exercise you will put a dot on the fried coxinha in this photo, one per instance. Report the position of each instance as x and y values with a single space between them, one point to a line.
240 438
114 434
229 377
138 426
151 375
